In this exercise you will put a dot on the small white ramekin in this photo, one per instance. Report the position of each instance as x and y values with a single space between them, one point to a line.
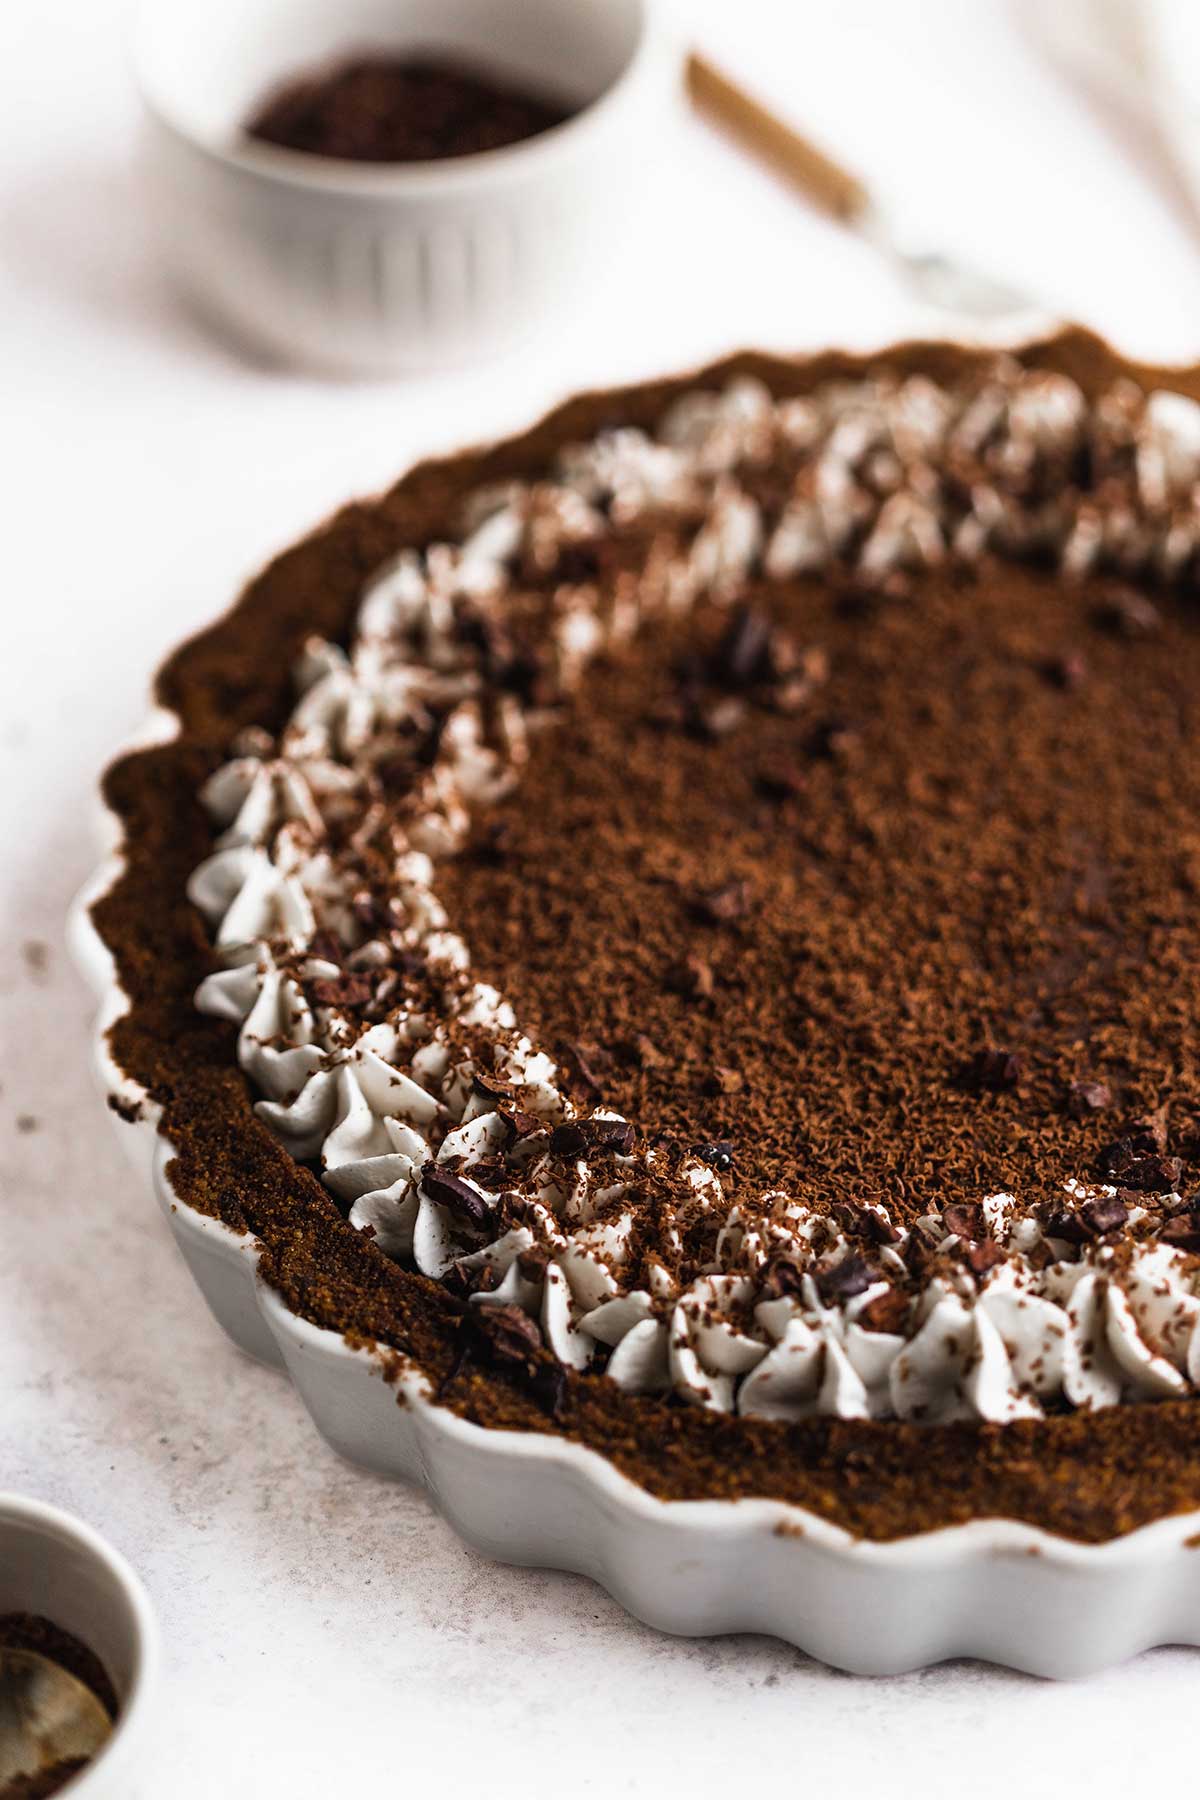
365 268
58 1567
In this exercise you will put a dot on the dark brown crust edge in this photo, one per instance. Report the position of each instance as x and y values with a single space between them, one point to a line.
1088 1477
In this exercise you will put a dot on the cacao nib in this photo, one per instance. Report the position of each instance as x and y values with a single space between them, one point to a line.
451 1191
490 1087
1150 1132
569 1140
866 1222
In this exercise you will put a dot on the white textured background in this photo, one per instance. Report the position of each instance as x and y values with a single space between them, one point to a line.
323 1631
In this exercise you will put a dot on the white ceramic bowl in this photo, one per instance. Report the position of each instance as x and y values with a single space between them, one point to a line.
359 267
995 1589
58 1567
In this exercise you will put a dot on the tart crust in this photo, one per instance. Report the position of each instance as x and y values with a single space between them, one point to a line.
1087 1476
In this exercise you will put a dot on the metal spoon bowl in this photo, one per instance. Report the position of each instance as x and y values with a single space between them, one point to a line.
47 1716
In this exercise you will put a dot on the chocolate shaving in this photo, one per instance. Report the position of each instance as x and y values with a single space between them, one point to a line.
966 1220
549 1384
569 1140
1087 1097
743 657
979 1258
1128 614
616 1135
693 976
842 1280
720 906
1068 671
781 1279
1106 1213
780 780
716 719
886 1312
580 1076
834 740
1182 1231
718 1155
1127 1161
342 990
866 1222
524 1124
1094 1219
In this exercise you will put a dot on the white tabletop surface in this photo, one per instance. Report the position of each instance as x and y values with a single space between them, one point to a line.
324 1632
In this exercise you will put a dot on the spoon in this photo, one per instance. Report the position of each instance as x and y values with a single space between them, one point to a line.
47 1716
937 277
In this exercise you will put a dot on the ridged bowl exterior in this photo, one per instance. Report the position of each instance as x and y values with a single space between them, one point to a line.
367 269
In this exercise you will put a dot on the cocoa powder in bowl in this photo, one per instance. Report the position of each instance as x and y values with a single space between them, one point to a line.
386 109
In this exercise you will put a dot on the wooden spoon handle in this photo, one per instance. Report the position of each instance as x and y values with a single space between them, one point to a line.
834 189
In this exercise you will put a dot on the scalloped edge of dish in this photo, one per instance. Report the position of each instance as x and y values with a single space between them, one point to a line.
996 1589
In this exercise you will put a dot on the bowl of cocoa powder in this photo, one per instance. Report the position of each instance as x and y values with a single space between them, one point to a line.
387 185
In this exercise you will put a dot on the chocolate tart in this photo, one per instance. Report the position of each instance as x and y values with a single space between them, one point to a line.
675 934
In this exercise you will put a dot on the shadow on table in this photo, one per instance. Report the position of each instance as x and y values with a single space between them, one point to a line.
78 235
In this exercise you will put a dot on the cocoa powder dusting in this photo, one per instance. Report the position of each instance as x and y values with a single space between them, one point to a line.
935 960
903 981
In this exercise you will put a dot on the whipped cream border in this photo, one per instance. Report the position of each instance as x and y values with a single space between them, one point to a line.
889 476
